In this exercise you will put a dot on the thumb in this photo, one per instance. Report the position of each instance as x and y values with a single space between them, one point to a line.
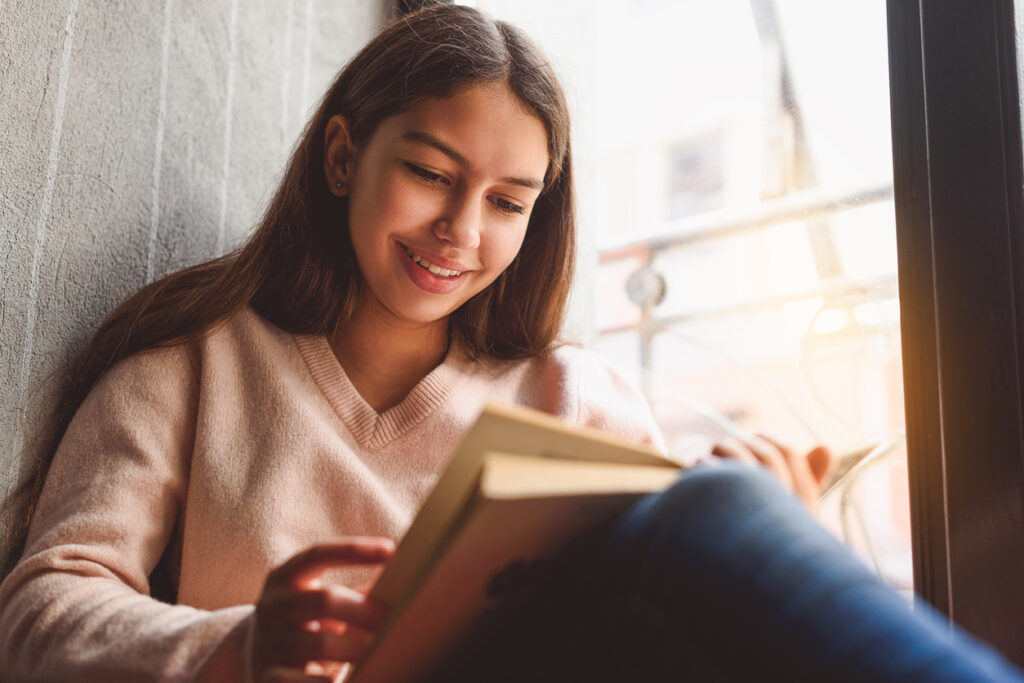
822 461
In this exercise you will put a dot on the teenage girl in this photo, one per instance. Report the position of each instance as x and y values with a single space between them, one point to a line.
243 441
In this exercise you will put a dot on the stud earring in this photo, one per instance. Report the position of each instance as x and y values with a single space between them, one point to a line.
337 184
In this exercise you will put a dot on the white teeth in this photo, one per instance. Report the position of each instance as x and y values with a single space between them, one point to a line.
432 267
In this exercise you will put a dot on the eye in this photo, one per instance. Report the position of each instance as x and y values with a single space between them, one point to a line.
427 176
507 207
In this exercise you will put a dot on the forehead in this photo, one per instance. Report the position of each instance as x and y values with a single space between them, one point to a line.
486 124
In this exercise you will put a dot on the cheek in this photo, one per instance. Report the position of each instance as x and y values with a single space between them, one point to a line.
402 204
391 206
502 246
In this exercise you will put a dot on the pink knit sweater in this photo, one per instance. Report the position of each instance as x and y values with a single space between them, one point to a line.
224 458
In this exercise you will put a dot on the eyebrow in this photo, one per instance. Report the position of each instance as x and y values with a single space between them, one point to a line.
429 140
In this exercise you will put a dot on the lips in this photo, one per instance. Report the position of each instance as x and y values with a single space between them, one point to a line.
436 259
427 264
433 277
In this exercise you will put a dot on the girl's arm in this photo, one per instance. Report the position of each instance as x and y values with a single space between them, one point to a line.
608 401
77 605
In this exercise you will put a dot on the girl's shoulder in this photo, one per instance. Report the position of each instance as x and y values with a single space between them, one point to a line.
241 338
577 385
606 398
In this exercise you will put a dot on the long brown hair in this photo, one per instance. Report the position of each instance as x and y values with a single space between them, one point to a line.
298 270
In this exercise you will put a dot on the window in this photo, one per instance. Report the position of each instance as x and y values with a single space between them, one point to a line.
960 214
743 226
696 175
745 236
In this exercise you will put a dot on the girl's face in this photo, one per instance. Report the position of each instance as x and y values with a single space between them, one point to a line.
439 198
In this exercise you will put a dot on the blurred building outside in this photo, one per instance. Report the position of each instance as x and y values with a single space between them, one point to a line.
737 199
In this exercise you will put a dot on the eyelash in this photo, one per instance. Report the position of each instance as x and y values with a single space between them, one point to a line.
503 205
428 176
508 207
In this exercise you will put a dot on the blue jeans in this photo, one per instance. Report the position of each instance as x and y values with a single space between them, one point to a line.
723 577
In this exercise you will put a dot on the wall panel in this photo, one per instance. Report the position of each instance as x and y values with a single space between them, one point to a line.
138 138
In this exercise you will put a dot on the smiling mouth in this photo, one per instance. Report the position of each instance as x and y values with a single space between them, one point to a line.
432 267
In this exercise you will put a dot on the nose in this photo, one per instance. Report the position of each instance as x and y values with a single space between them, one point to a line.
460 223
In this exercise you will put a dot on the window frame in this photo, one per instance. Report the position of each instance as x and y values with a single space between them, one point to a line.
957 178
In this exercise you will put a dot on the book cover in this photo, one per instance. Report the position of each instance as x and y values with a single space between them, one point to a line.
520 485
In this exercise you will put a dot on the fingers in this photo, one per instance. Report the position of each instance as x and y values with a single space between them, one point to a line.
301 646
281 646
757 452
805 485
801 474
299 621
822 462
280 674
313 672
303 570
337 603
734 449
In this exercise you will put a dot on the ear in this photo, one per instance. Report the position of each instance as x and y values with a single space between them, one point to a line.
339 156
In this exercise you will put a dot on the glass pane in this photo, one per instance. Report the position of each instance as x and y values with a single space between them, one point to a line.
736 185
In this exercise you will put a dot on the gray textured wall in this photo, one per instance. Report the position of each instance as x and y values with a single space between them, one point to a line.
136 137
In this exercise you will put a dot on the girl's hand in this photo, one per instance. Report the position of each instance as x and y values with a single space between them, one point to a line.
300 621
801 474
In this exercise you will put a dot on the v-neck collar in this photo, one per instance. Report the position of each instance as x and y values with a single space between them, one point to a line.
371 429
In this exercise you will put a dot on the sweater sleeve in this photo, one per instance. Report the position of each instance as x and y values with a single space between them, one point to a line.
608 401
77 605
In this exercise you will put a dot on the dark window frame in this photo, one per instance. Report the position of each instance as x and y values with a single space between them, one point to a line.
957 170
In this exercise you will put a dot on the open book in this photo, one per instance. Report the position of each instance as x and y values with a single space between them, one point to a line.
519 486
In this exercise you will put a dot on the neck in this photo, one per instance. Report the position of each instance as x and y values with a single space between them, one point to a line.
384 357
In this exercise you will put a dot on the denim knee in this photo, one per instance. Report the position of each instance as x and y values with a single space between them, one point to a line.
712 500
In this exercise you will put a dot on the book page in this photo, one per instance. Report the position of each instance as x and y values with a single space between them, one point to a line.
500 428
489 559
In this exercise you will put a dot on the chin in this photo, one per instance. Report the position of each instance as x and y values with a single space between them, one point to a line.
423 315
